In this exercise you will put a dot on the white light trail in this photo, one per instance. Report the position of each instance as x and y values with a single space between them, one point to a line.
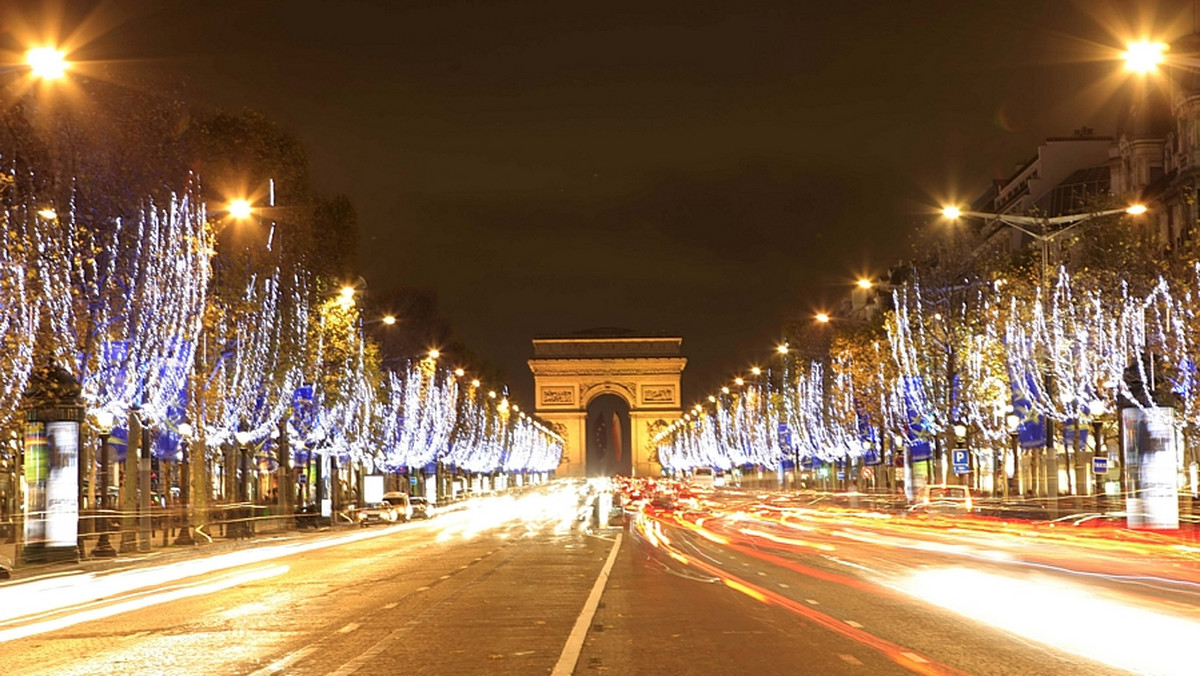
1105 628
140 602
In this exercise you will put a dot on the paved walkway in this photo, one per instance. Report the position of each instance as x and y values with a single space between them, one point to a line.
161 544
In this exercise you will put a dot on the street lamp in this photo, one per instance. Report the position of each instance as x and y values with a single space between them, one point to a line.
1096 409
104 425
1014 422
243 438
1044 235
240 209
960 439
1144 56
47 63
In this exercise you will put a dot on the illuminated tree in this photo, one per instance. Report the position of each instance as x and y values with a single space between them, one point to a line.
17 319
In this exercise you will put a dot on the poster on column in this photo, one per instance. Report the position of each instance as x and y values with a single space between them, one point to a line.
62 490
1150 463
37 473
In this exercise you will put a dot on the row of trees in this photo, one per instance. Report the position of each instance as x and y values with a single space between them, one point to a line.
977 346
205 329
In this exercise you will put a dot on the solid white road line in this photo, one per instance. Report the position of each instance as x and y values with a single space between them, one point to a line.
281 665
574 646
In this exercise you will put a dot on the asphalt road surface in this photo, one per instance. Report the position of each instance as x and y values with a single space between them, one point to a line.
724 583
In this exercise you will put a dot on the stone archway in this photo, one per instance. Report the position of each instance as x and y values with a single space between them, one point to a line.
608 449
614 371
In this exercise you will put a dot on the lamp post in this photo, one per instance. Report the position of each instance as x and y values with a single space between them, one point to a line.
242 436
185 528
1096 409
960 438
1014 423
1044 236
104 425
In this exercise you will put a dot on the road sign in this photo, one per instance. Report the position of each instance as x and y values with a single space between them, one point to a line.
960 460
1100 465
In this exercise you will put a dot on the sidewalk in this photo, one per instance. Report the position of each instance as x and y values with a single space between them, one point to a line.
158 551
213 538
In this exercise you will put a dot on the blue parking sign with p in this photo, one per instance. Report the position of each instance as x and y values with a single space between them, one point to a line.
960 460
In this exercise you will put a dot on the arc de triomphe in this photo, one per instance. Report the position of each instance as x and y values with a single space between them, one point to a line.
607 393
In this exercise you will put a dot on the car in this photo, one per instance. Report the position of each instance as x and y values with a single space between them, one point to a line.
943 498
707 476
376 512
402 503
421 509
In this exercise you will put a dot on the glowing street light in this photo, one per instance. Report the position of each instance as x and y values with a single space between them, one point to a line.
459 373
782 349
865 283
389 320
240 209
47 63
822 317
1144 56
434 354
48 214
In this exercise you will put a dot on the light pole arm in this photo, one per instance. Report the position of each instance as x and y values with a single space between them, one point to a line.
1023 223
1069 219
1036 235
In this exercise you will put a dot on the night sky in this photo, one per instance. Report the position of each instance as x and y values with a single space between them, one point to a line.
702 169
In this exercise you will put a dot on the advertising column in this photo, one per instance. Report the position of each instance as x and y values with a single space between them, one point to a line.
51 469
1150 466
